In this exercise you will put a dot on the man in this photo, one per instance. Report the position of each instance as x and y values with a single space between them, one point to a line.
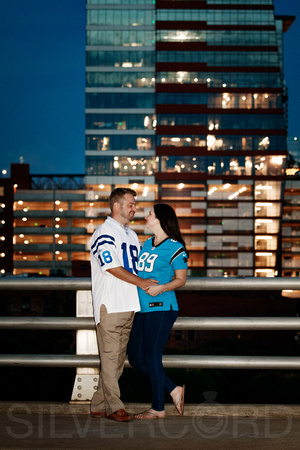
114 253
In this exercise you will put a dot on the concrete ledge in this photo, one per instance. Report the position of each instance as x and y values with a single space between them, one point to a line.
201 409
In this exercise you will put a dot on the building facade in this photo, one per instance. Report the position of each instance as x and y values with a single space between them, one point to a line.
291 228
52 224
6 226
46 224
186 101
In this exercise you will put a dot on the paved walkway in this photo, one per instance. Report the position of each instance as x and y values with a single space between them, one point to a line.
204 426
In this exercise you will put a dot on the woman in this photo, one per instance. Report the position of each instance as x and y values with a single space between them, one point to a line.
163 258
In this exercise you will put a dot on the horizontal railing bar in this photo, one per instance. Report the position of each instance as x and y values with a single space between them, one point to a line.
46 284
169 361
237 323
194 284
182 323
47 323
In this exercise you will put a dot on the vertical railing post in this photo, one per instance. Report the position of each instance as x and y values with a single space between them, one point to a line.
86 380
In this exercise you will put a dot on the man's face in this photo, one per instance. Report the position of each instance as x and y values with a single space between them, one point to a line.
127 209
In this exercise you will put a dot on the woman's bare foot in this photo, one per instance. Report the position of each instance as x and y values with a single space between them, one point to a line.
150 414
178 398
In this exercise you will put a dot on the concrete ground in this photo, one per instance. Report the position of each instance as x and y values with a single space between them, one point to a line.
204 426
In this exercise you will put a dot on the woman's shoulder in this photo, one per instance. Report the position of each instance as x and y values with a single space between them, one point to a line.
175 244
177 248
148 242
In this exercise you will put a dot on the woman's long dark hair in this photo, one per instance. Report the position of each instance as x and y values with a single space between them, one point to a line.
169 222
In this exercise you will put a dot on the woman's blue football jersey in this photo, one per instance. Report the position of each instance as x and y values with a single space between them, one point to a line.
159 263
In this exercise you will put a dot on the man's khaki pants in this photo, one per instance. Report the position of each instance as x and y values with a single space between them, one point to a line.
113 333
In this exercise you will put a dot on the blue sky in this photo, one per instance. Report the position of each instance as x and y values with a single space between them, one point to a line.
42 45
291 42
42 82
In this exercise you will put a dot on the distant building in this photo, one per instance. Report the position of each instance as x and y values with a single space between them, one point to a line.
6 226
186 101
51 224
46 223
46 231
291 229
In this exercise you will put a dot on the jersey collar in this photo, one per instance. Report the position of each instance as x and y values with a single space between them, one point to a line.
155 246
126 227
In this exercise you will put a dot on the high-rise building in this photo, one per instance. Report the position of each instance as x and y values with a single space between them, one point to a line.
186 100
186 103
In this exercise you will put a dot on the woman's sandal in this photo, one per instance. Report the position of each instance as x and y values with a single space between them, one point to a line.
149 414
180 403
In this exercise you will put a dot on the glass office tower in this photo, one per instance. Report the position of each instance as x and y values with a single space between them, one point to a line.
186 102
120 91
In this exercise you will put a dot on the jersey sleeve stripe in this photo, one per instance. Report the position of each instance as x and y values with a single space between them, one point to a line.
177 253
95 250
102 237
99 243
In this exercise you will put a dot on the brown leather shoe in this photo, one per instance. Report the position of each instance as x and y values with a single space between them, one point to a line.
120 416
98 414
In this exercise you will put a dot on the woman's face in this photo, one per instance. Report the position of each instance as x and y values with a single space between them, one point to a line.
151 219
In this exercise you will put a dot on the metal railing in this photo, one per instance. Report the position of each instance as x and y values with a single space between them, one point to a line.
182 323
192 284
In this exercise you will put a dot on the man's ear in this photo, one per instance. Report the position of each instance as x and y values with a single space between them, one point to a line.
116 207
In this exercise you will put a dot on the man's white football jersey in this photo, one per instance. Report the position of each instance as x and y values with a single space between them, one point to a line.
113 245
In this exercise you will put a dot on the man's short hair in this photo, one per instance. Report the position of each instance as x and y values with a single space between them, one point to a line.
117 195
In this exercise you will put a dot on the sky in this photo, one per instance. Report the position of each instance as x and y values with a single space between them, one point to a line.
42 82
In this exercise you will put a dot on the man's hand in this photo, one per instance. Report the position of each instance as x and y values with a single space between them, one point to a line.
124 275
146 284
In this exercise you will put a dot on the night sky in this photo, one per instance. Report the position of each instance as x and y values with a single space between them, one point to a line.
42 81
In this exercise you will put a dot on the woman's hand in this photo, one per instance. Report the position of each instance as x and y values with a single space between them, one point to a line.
178 280
155 290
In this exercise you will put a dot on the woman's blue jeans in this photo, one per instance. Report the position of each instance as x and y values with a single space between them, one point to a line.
148 338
